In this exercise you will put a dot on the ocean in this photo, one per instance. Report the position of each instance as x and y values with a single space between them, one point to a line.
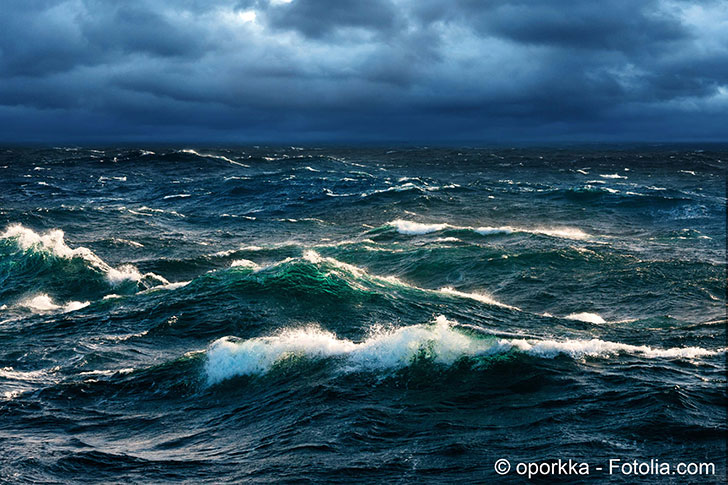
362 315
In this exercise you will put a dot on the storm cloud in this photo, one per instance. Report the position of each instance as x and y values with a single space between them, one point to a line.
346 70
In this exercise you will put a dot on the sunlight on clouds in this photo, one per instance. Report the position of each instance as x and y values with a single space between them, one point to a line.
239 16
708 23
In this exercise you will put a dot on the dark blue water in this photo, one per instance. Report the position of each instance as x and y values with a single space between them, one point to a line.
359 315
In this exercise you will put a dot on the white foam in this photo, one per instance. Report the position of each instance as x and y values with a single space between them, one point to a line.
413 228
227 357
128 242
244 263
120 179
477 296
39 303
125 272
440 342
417 228
396 188
586 317
142 211
560 232
53 242
612 176
108 372
171 286
72 306
28 376
487 231
208 155
600 348
43 303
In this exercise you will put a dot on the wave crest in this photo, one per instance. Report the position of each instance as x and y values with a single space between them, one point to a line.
36 265
43 303
440 342
53 243
410 228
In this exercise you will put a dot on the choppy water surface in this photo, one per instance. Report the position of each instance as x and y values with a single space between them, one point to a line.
278 314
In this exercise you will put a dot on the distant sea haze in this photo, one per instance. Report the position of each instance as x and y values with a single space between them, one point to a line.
286 314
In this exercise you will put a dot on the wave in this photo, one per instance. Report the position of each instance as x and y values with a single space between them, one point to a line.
208 155
309 273
149 211
332 276
421 188
596 192
440 342
43 303
176 196
53 243
244 263
477 296
30 261
586 317
410 228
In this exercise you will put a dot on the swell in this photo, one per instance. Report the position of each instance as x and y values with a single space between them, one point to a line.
40 272
441 345
312 275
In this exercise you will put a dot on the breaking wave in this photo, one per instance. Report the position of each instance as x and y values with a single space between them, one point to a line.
416 228
440 342
43 303
586 317
31 261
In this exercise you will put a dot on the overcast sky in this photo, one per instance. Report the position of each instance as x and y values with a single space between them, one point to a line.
363 70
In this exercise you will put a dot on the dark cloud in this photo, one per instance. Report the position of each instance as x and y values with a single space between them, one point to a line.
318 18
420 70
622 25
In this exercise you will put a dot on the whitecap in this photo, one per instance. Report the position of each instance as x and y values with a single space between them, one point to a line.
477 296
412 228
385 349
586 317
53 242
487 231
208 155
43 303
416 228
244 263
